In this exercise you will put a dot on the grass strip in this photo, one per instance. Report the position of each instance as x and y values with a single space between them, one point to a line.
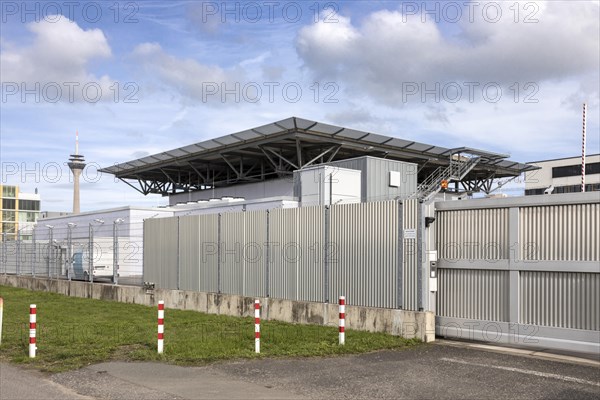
74 332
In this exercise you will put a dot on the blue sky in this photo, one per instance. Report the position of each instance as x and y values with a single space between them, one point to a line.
405 69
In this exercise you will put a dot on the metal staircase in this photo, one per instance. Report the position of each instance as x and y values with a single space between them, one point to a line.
458 168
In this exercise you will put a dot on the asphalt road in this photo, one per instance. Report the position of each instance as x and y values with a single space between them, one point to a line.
17 383
428 371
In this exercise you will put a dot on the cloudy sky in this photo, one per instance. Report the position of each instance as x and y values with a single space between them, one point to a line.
136 78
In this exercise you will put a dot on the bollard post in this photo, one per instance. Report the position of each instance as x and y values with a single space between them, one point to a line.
32 329
1 311
161 326
257 326
342 320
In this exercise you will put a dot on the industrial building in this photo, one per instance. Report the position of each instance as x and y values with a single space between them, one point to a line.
563 175
302 212
19 213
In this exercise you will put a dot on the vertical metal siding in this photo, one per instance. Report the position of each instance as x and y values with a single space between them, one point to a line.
378 181
283 230
207 245
473 294
363 258
363 265
233 271
375 177
410 265
560 299
189 253
311 246
561 232
473 234
160 252
254 253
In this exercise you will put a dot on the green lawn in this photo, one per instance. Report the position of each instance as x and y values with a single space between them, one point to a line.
74 332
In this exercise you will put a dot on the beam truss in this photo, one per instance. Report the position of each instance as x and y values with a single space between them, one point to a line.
281 155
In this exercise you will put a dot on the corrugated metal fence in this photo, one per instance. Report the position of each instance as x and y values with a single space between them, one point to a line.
529 268
307 254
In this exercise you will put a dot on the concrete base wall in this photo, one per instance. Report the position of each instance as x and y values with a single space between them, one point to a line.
408 324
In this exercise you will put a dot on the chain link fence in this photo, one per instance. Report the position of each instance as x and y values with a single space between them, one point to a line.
101 251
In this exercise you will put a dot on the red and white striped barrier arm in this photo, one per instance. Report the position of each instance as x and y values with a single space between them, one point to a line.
32 329
342 319
161 326
583 149
257 326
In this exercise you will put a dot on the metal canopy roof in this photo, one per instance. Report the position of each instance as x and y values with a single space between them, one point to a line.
276 149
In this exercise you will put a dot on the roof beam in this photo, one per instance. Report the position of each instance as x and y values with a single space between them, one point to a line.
168 176
237 173
298 150
129 184
321 155
281 157
334 153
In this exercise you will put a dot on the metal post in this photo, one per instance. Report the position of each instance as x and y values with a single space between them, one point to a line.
50 251
257 326
219 254
178 256
342 320
4 257
327 249
161 326
1 311
267 257
583 149
18 253
32 330
69 261
514 256
48 255
400 258
143 247
116 250
90 251
420 248
35 257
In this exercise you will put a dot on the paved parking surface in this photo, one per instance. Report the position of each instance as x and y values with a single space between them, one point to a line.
428 371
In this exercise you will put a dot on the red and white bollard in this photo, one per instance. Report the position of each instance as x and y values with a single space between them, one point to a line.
342 320
32 328
1 311
161 326
257 326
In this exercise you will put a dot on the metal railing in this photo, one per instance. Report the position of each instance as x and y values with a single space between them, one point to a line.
457 170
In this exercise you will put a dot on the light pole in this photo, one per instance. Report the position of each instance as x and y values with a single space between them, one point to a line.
50 246
91 249
69 260
116 250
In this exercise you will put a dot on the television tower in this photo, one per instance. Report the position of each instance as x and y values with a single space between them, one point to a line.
76 164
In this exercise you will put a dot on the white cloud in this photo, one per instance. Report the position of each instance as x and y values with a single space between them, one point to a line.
187 76
388 49
60 52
